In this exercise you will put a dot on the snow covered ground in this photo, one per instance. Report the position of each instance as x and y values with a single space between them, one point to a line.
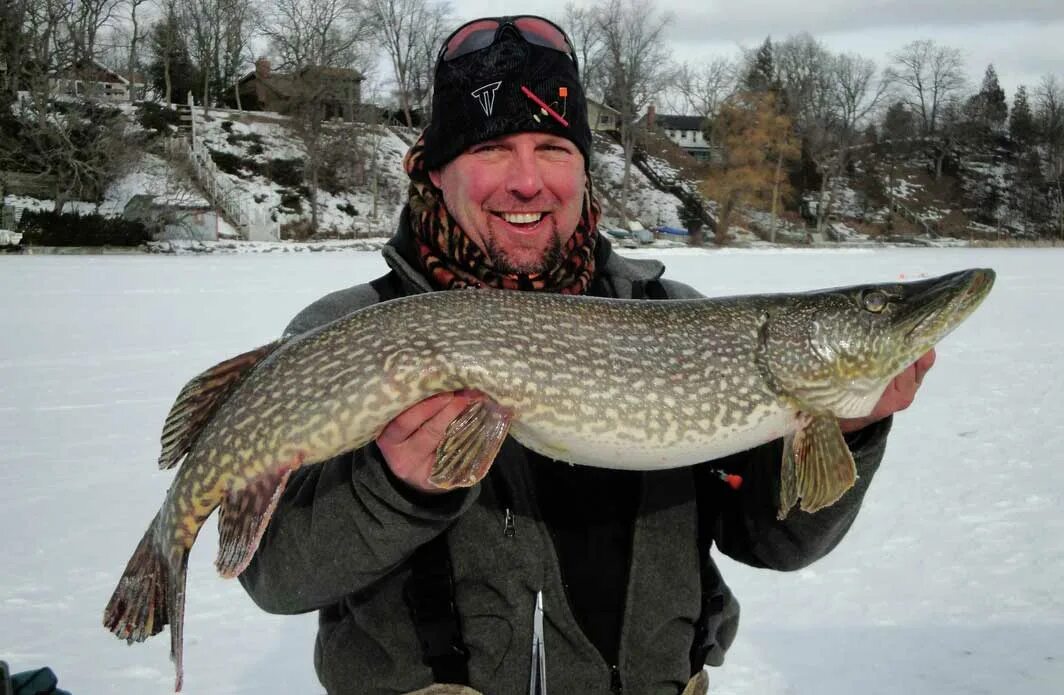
949 582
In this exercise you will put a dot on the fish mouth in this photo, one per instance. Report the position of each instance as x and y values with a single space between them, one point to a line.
935 307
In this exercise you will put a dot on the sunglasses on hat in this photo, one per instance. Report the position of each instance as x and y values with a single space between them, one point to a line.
481 33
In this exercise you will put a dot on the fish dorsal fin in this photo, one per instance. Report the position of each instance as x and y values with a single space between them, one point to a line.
817 466
243 517
200 398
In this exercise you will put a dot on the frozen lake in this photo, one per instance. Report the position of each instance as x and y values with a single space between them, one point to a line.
949 582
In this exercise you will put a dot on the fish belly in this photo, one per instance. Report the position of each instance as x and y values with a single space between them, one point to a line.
629 448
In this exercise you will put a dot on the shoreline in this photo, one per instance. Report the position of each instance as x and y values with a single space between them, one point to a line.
171 248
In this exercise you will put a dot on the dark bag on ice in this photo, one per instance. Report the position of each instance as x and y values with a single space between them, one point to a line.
39 682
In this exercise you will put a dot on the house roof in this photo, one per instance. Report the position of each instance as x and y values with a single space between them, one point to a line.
95 64
604 107
278 79
671 122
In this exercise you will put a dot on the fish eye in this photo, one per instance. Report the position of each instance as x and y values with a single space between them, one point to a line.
875 301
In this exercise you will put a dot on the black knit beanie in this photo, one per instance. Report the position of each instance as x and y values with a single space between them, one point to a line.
479 96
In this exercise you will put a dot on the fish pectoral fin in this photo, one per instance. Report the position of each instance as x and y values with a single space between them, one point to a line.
200 398
817 468
243 517
470 444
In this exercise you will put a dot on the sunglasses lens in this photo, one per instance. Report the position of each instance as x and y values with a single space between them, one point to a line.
483 32
542 32
472 37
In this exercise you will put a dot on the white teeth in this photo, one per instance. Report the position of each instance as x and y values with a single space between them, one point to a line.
521 217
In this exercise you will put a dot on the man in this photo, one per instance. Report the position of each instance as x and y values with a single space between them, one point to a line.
415 586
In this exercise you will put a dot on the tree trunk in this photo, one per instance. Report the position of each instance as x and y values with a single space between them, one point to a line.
374 185
314 199
167 80
776 196
206 89
822 202
236 92
720 235
628 144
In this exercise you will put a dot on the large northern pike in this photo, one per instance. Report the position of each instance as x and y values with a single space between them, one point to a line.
600 382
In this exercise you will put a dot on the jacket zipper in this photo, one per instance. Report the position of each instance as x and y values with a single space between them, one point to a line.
615 680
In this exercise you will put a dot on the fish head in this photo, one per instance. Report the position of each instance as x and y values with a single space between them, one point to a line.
837 350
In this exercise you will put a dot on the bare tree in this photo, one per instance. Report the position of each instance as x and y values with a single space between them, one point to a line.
705 86
313 37
581 26
1049 108
803 72
202 18
400 25
136 34
13 47
429 38
637 64
929 76
240 19
84 23
78 153
854 93
325 33
166 40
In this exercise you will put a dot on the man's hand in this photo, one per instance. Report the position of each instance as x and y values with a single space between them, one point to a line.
898 395
410 440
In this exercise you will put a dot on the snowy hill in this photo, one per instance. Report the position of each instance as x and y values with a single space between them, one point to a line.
261 158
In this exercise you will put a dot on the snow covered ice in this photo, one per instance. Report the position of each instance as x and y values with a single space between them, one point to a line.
949 582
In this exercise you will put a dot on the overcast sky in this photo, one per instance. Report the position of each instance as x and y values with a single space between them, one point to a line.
1024 39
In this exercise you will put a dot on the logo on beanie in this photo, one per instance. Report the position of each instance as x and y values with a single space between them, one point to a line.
486 96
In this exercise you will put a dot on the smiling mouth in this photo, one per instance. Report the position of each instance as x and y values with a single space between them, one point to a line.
522 220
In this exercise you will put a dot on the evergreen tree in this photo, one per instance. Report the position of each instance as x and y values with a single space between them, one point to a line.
170 59
762 74
899 127
995 110
1021 123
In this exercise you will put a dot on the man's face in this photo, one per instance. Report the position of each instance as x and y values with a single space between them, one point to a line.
518 197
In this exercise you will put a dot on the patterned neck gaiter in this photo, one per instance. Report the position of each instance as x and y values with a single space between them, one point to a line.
451 259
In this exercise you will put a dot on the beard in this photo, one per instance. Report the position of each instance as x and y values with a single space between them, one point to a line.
506 264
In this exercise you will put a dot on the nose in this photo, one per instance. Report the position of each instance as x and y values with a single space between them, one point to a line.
524 179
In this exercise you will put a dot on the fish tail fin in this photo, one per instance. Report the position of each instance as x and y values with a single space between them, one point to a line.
150 595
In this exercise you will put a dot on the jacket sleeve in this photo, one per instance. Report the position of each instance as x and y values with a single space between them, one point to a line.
339 526
746 528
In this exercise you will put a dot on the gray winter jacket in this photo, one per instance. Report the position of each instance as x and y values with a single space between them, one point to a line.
343 533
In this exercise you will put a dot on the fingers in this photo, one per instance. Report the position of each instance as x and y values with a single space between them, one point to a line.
898 396
924 364
407 422
423 441
409 442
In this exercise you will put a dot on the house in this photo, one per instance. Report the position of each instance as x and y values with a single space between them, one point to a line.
265 90
686 131
602 117
93 80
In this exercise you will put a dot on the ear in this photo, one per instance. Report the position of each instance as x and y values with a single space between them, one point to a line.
436 178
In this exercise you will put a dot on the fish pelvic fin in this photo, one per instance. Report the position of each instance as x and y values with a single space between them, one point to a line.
243 518
470 444
818 467
200 398
150 595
